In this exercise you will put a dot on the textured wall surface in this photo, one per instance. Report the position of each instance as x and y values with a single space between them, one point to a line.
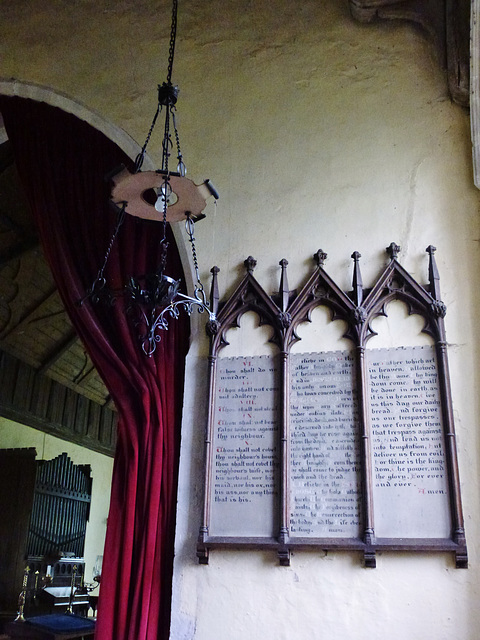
318 133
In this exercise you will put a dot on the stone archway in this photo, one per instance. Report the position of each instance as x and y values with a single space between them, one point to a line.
113 132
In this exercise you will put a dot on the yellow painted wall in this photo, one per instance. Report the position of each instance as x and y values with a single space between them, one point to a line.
318 133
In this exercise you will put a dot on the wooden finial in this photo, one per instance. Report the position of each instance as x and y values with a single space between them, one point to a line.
357 282
284 290
250 264
320 257
433 275
214 295
393 250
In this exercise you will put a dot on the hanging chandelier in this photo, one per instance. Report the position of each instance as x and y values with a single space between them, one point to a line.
166 196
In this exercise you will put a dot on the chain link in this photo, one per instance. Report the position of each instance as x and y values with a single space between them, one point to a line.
99 290
141 156
190 227
118 224
173 37
181 168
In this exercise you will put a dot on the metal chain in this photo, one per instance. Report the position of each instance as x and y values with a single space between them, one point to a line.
98 289
190 227
181 168
118 224
165 190
167 142
141 156
173 36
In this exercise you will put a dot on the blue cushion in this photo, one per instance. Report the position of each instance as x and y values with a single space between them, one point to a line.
58 623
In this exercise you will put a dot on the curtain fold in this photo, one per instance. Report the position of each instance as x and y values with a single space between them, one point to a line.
62 162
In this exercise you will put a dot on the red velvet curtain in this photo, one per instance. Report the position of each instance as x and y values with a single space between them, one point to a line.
62 162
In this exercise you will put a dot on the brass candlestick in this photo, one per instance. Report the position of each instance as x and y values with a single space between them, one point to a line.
35 591
22 596
72 589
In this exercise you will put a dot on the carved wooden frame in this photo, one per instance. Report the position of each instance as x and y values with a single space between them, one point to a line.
284 312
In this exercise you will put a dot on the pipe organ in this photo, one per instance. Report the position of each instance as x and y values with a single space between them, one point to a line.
61 507
56 536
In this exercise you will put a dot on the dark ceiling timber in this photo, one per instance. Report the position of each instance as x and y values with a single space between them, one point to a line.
38 401
47 379
446 21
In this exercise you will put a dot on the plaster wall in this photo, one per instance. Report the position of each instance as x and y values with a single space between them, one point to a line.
318 133
14 435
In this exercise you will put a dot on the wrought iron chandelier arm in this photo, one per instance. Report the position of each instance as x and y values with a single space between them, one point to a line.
199 299
151 338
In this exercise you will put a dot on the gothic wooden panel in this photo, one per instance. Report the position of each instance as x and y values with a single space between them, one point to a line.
349 477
